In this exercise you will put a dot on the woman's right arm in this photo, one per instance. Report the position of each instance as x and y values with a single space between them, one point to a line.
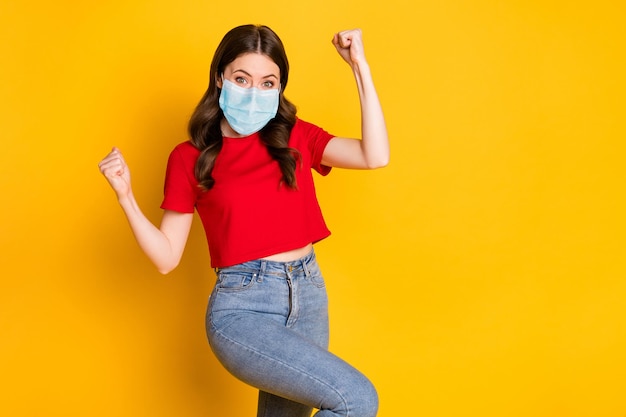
163 245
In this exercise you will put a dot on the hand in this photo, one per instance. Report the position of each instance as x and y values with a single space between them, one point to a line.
349 44
115 170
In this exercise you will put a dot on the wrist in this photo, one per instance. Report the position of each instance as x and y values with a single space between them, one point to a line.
126 200
360 67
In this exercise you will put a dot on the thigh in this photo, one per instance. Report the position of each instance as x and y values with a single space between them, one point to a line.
279 361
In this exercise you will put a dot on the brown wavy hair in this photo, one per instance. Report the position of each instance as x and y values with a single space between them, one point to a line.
204 125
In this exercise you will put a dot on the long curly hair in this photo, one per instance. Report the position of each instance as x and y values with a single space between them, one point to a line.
204 125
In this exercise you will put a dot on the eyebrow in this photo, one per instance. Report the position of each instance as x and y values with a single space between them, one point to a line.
249 75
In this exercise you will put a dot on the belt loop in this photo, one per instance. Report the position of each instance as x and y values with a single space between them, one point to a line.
305 267
262 268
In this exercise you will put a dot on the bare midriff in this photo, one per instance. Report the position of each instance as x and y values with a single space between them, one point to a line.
291 255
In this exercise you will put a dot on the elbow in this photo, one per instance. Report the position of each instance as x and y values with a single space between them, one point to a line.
378 157
378 163
166 261
165 269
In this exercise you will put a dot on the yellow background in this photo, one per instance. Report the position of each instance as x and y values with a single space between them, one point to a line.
481 274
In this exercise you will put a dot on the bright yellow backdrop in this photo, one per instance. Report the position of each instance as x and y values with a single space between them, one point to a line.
481 274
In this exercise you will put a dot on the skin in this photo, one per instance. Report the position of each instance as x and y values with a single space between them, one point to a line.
164 245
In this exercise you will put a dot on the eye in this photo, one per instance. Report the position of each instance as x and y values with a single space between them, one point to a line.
241 80
267 84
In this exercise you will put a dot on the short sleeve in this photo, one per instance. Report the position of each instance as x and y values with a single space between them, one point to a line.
180 189
317 139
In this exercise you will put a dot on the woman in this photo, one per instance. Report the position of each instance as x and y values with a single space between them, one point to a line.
247 171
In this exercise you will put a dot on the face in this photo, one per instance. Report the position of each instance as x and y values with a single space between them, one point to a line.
252 70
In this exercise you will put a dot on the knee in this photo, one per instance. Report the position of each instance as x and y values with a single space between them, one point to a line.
357 398
363 400
368 401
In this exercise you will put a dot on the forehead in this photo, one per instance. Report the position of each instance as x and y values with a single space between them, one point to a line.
254 64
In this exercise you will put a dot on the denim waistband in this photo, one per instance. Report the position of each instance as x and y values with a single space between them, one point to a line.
277 268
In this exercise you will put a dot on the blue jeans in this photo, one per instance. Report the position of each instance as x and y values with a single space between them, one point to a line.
267 323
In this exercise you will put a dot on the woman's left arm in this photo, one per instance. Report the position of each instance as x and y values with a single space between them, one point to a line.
372 151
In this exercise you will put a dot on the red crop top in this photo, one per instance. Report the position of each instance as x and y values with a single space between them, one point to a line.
248 214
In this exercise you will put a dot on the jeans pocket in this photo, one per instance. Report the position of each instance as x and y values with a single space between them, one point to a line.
315 276
235 281
317 279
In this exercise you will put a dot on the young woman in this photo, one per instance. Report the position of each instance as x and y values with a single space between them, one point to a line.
247 172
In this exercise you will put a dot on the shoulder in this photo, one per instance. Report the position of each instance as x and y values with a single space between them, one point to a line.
186 149
311 140
306 132
183 158
185 153
303 127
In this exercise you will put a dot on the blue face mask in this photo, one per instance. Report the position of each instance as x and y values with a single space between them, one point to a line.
247 110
